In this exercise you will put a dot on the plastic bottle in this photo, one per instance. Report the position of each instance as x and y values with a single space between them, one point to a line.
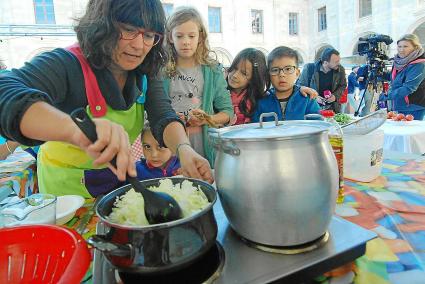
336 141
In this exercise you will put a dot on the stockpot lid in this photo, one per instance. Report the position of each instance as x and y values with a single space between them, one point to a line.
271 130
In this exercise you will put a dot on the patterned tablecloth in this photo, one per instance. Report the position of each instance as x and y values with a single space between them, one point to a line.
393 206
18 174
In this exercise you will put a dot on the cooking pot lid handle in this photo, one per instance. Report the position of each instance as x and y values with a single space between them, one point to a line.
268 114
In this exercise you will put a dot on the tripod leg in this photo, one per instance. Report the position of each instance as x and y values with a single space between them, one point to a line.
356 112
368 102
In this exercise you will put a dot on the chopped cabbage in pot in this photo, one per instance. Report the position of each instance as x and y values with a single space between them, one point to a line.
129 208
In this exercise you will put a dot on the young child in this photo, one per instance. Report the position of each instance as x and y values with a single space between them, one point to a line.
284 98
158 161
194 81
247 82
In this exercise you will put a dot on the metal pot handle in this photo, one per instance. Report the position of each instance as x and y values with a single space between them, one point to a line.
268 114
218 144
99 242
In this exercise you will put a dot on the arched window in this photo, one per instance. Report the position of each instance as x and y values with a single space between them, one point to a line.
223 56
320 51
420 32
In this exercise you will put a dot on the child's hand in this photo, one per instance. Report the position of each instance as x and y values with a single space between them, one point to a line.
308 91
197 117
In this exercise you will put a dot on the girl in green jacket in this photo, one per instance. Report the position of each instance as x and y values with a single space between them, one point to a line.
193 80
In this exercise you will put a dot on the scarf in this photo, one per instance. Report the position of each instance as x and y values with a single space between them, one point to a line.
400 63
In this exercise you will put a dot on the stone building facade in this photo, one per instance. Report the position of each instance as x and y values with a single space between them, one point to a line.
305 25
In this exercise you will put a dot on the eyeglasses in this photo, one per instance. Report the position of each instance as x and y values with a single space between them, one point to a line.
286 70
130 33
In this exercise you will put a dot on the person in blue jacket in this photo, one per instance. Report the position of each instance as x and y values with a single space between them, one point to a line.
284 98
407 90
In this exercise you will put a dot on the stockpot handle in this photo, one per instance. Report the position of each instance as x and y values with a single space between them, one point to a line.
268 114
218 144
99 242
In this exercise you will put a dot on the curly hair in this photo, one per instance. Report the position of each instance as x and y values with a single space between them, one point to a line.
202 55
98 30
258 84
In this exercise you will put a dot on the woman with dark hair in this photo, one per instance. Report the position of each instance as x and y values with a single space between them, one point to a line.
118 56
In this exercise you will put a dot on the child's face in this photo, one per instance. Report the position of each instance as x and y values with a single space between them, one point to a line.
284 80
185 38
154 154
239 78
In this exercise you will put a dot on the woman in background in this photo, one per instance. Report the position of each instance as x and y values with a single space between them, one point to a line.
407 90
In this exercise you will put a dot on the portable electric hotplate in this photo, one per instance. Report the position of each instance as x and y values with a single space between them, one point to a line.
233 260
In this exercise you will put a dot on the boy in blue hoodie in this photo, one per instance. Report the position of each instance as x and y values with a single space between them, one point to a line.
284 98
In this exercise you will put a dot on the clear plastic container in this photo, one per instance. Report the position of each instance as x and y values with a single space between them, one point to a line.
363 156
336 141
38 208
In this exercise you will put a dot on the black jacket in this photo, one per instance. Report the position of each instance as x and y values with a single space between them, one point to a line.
56 77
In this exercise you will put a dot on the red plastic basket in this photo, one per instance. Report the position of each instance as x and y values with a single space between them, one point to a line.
42 254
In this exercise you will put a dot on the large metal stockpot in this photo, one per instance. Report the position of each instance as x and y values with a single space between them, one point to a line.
156 248
277 181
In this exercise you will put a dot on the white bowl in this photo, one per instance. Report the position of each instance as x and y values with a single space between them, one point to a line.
66 206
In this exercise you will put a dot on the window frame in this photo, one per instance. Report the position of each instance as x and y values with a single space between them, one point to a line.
322 25
210 26
259 25
48 13
294 31
362 8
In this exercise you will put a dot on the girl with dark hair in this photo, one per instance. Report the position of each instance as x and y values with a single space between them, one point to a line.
247 82
119 52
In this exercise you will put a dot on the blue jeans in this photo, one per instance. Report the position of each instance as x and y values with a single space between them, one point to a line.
417 114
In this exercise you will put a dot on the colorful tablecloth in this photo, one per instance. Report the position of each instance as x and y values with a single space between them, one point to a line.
393 206
90 230
18 174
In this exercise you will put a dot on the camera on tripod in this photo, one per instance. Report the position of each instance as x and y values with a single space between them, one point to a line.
375 47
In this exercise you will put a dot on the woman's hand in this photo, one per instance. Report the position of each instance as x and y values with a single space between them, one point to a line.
112 140
194 165
308 91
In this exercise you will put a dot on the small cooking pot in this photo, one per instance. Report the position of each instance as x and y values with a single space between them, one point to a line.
277 181
161 247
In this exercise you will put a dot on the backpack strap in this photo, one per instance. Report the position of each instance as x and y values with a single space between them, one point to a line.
95 98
